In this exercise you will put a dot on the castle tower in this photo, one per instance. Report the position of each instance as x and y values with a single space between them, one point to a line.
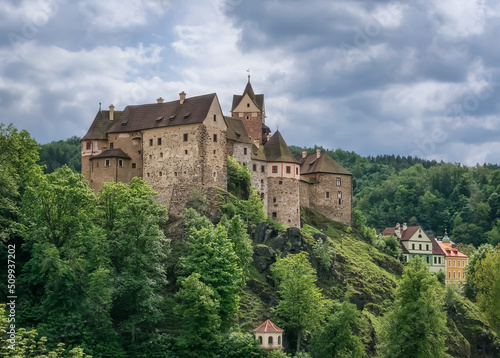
249 107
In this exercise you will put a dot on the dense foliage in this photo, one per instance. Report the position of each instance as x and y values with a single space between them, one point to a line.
392 189
55 154
97 274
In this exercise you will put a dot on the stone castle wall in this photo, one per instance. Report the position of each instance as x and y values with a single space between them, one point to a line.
283 201
324 196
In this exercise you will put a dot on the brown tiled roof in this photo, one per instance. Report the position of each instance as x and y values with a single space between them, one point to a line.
236 130
268 327
258 153
436 248
405 235
112 153
101 125
276 150
258 99
323 164
146 116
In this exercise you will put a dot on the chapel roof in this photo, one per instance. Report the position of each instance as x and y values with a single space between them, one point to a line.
156 115
324 164
268 327
276 150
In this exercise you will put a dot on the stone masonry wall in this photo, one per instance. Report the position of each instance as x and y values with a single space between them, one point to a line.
324 197
283 201
304 193
259 179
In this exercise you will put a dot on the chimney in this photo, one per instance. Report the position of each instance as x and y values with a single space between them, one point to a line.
404 227
318 153
268 137
304 154
182 96
397 231
111 112
159 100
256 143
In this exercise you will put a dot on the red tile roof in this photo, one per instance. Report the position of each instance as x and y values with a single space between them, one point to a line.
450 251
268 327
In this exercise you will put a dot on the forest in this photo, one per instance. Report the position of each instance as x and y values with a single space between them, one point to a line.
113 275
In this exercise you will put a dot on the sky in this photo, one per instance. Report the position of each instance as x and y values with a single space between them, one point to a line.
415 77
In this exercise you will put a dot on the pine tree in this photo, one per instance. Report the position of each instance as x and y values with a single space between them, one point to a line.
416 326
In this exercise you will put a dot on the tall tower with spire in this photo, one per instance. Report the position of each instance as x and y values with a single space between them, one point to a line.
249 107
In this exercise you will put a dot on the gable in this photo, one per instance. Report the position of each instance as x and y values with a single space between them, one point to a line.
246 104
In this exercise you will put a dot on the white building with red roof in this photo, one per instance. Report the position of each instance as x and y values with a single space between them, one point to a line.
269 335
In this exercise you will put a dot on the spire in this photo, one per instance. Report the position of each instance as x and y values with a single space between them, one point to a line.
446 239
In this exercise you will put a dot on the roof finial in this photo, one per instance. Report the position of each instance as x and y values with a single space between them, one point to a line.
248 75
99 106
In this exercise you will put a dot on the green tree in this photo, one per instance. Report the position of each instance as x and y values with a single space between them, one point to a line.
236 232
198 309
54 155
487 282
338 336
301 306
238 179
211 255
416 326
58 211
131 219
27 344
479 254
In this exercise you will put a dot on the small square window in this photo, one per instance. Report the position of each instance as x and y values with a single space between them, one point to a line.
134 165
161 173
215 138
262 169
107 162
338 181
215 151
340 201
120 162
147 175
254 167
327 194
288 169
274 199
275 215
245 151
297 171
151 142
427 247
413 246
215 118
186 152
280 182
175 173
275 168
185 137
161 155
248 105
420 247
111 145
89 145
159 141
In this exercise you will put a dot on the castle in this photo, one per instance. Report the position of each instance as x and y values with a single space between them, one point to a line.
183 145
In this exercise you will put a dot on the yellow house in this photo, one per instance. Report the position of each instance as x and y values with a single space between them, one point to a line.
455 262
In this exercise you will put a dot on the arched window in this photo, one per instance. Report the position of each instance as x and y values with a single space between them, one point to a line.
270 340
279 340
260 339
